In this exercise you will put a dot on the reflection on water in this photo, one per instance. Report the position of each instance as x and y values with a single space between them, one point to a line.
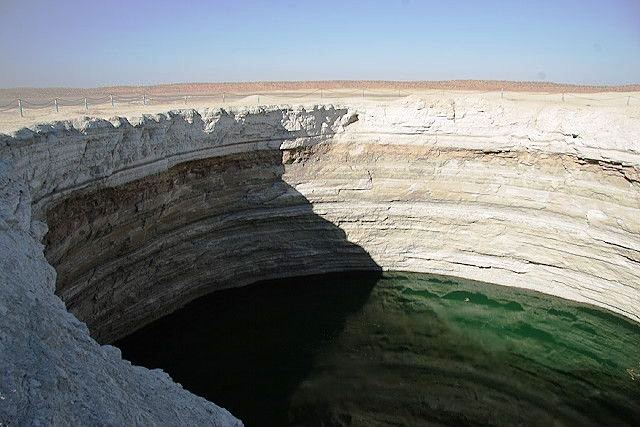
401 349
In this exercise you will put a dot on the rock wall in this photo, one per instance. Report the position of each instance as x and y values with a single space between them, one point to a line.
145 215
555 224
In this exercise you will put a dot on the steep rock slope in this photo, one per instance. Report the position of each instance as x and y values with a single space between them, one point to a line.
53 372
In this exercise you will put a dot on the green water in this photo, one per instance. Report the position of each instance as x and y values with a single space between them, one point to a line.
401 349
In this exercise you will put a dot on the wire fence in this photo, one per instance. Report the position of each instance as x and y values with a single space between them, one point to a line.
21 105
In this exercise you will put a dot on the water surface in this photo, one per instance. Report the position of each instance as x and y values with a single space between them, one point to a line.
399 349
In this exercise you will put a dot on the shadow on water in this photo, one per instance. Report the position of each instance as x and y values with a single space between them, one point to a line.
248 349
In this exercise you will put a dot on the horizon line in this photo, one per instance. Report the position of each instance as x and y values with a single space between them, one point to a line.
353 83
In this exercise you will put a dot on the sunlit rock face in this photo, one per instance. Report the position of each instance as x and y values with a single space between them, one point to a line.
554 223
145 215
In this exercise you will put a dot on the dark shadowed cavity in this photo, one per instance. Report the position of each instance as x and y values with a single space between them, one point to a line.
399 349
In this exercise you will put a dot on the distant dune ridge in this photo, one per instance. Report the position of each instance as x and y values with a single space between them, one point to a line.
246 87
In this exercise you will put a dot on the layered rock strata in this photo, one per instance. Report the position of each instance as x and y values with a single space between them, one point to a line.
146 215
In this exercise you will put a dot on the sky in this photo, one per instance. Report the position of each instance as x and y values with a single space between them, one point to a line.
79 43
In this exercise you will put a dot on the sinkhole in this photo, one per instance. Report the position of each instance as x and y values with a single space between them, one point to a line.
281 282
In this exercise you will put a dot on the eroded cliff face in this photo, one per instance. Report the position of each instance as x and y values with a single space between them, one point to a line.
144 216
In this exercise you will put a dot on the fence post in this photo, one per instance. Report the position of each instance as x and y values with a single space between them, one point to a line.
111 98
321 95
562 96
20 107
223 97
185 100
502 93
628 99
144 99
362 93
258 99
55 102
86 105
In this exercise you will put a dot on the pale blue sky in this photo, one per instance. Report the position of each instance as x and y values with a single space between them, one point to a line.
107 42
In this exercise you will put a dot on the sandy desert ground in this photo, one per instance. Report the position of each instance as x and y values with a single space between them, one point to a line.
38 104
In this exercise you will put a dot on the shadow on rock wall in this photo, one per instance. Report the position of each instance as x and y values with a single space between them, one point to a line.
128 255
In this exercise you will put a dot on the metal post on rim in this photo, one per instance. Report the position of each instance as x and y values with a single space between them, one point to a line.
111 98
55 102
20 107
185 100
144 99
86 104
223 97
628 99
562 96
502 93
362 93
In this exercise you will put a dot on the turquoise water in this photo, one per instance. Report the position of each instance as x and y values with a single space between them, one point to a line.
398 349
